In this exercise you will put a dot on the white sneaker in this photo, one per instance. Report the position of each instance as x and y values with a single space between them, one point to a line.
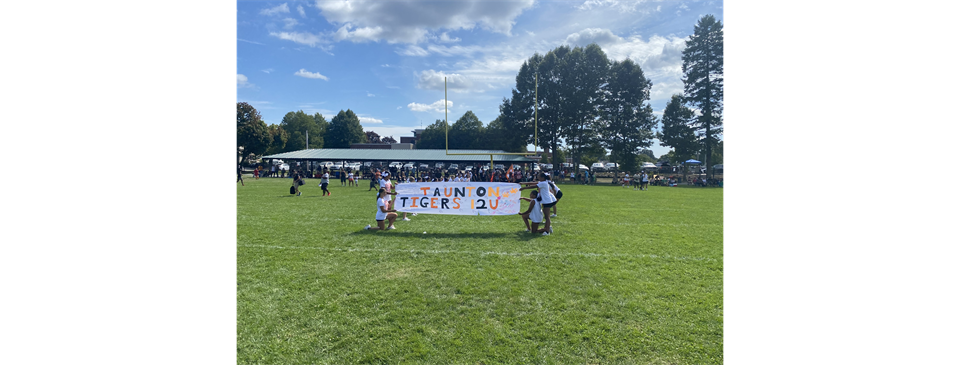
553 215
528 230
391 227
414 214
551 229
546 234
367 227
405 219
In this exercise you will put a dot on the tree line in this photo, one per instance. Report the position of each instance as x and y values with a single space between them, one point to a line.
583 103
291 134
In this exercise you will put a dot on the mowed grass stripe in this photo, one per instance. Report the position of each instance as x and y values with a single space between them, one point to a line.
608 287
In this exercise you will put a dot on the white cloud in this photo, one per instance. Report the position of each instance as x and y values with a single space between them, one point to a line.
300 10
275 10
311 75
370 95
658 56
385 65
620 6
242 81
433 80
436 106
412 21
303 38
444 38
368 120
244 40
361 35
269 70
413 51
593 35
289 23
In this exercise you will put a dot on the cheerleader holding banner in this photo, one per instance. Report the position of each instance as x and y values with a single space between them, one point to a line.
458 198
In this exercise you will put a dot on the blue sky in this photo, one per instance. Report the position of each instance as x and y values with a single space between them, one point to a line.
386 60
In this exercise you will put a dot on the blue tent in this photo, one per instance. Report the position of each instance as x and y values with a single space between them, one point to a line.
692 161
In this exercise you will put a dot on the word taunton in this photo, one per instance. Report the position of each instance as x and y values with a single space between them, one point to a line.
468 198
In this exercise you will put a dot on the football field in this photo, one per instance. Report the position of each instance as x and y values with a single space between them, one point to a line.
627 277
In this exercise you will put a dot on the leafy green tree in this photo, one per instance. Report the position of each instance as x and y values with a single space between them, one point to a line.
585 74
344 129
703 80
278 138
548 157
551 100
372 137
466 132
388 139
627 124
433 137
297 125
252 133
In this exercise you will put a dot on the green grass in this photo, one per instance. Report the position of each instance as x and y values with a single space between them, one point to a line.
631 277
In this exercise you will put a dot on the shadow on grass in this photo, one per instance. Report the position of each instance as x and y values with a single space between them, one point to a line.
526 236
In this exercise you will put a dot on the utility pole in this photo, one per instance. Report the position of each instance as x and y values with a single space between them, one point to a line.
308 140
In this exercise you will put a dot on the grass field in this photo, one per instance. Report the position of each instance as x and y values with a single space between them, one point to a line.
628 277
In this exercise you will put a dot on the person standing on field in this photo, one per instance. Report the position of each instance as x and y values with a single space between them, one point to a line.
240 175
324 181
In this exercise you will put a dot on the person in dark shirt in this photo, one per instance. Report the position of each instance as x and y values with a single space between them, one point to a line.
240 175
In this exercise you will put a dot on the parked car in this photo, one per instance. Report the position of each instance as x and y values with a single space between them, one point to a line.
536 167
567 165
439 165
582 167
548 166
611 166
648 166
498 166
718 168
408 166
468 168
596 167
454 167
424 166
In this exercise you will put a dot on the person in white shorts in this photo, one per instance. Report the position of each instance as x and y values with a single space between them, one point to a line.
626 180
384 213
546 198
533 214
556 192
636 181
644 181
350 180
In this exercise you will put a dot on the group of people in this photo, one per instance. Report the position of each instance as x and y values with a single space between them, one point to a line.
542 201
639 181
386 213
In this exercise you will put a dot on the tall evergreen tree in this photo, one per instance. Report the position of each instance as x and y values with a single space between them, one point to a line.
677 131
585 72
703 80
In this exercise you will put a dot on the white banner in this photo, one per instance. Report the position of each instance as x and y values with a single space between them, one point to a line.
460 198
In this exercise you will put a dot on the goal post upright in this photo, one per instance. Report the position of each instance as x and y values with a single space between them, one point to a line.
446 125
